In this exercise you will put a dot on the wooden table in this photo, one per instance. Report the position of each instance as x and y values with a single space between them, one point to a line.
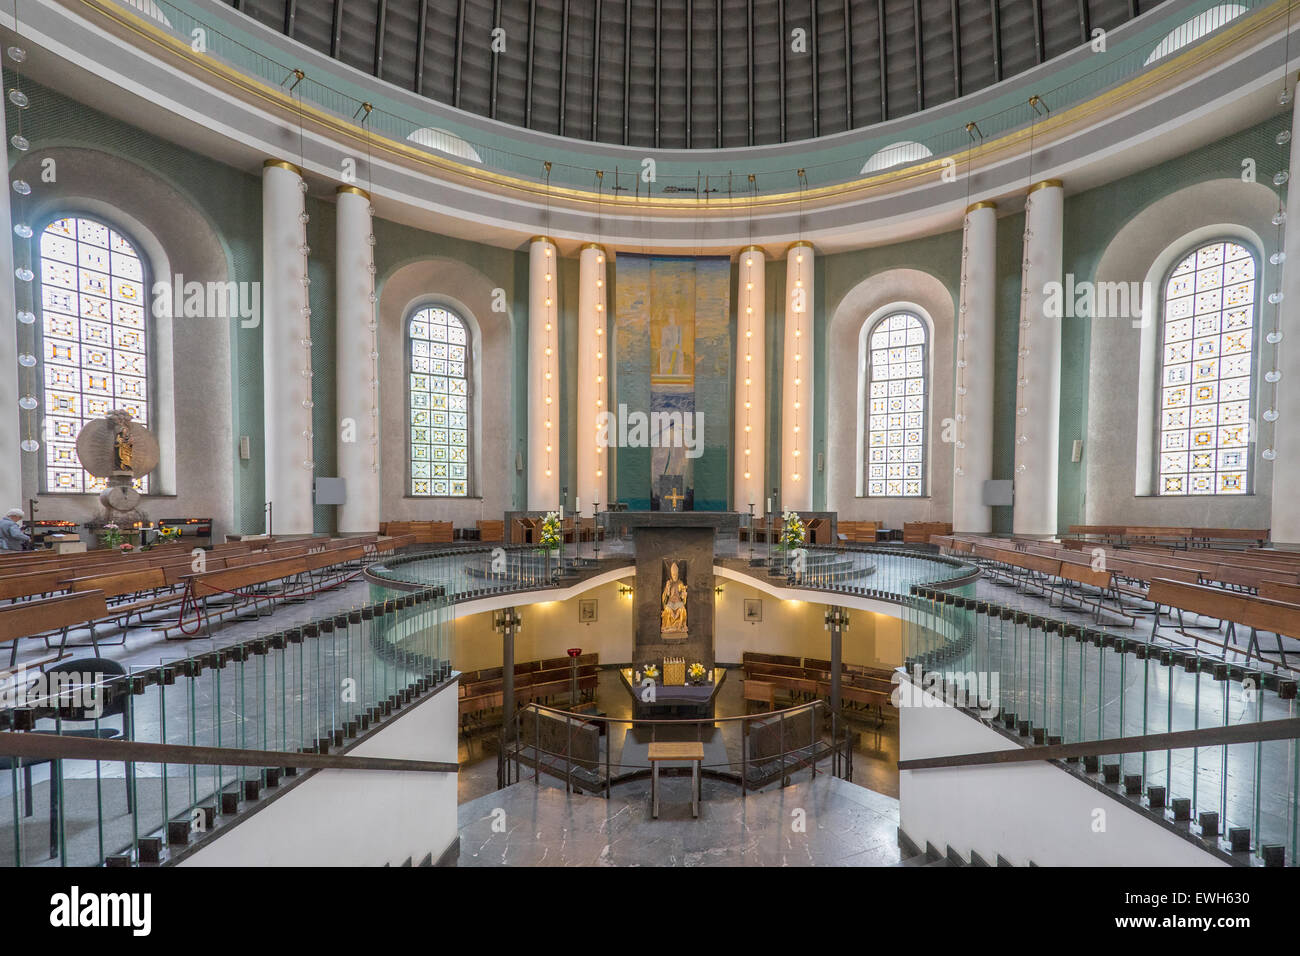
659 752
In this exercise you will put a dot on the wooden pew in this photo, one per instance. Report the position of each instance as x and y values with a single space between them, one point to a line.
758 692
491 530
1259 614
34 618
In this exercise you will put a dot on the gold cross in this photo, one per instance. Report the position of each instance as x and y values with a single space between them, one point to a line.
675 498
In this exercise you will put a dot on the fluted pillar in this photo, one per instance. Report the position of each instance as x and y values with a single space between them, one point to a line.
592 454
1283 434
973 402
797 459
286 349
543 376
1038 375
751 382
357 364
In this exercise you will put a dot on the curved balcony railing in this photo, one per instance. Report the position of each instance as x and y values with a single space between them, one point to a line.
311 687
1048 681
595 169
469 573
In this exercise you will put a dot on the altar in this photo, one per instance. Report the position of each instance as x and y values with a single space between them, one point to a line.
620 524
668 701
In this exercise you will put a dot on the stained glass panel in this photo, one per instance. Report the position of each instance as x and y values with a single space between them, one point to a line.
93 341
1206 368
439 390
896 407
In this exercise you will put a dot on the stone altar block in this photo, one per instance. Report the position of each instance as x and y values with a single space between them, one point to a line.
687 541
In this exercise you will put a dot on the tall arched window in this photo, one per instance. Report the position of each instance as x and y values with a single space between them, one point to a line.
1207 368
438 351
94 340
897 386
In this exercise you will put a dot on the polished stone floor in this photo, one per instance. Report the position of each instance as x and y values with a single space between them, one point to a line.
819 822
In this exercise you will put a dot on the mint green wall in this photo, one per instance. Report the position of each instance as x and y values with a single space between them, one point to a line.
231 202
1093 218
396 245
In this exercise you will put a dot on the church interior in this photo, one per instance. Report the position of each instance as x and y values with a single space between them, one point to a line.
670 433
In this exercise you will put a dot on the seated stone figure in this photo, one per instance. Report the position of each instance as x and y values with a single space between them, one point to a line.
673 617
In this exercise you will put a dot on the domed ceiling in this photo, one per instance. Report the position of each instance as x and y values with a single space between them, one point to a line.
702 74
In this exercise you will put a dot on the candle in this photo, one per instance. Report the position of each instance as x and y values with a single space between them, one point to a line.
769 504
577 505
561 512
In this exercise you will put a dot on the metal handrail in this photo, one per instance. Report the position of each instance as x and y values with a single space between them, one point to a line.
1286 729
511 748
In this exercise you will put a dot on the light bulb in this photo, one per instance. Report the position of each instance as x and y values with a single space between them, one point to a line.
18 98
30 444
17 54
27 402
26 359
20 142
1274 337
1268 454
24 274
1279 217
1270 415
25 317
1275 297
1277 258
1273 376
1280 177
22 187
22 230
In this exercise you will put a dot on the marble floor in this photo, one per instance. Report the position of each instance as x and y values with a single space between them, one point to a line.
818 822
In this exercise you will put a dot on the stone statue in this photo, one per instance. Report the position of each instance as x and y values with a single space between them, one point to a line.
123 446
673 617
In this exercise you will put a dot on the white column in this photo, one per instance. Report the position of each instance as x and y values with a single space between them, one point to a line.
11 462
973 402
357 363
1283 436
286 350
1038 375
751 383
797 460
543 376
593 384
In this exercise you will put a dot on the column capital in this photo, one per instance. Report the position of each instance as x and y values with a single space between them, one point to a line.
281 164
354 191
1045 184
982 204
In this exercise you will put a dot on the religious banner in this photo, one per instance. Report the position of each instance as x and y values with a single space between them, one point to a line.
672 361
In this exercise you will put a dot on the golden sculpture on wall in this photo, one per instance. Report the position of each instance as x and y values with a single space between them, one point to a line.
673 616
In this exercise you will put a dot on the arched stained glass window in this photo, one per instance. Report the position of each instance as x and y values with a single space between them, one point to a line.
896 406
438 343
1207 371
94 340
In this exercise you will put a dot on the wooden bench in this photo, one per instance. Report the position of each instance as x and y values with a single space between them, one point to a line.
491 530
1257 613
919 532
758 692
35 618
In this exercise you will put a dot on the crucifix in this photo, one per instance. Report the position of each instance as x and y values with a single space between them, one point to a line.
676 498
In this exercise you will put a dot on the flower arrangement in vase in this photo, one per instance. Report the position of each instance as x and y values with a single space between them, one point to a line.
651 671
112 537
695 672
550 537
793 533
